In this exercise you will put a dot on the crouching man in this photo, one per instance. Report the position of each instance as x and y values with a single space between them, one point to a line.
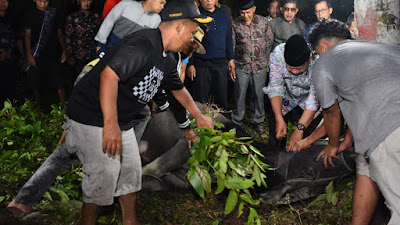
364 87
291 92
111 94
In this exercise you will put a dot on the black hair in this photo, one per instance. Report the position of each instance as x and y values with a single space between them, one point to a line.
350 19
289 1
328 29
279 2
328 2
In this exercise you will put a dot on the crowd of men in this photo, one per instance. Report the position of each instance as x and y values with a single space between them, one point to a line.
283 68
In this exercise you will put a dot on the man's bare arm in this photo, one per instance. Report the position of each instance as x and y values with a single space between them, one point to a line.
112 140
280 124
333 120
306 118
186 101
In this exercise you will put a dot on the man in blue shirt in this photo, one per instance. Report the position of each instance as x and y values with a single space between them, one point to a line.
209 71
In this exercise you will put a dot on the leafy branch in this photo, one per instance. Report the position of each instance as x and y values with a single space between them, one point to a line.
230 162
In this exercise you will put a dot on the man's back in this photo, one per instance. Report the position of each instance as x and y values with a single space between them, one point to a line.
364 77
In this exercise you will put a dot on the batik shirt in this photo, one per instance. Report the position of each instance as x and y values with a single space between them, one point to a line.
252 43
80 31
296 90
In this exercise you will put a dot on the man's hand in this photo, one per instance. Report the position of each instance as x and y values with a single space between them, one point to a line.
112 139
232 73
191 72
296 137
300 145
204 121
63 56
280 128
31 60
190 136
329 152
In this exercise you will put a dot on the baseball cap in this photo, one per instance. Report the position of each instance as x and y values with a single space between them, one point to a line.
183 9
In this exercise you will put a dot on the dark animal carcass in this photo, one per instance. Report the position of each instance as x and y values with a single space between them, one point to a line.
165 152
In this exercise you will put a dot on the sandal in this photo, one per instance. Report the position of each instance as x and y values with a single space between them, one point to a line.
262 134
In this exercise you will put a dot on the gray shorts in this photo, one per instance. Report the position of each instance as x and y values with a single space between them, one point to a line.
363 167
105 176
385 168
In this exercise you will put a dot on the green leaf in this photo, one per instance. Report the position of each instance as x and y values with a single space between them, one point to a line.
256 150
257 175
205 141
64 197
244 138
48 196
231 202
77 204
216 138
247 198
7 105
218 125
215 222
252 216
243 149
335 197
205 177
329 192
319 199
233 164
2 198
195 181
220 183
237 183
200 155
329 188
240 209
223 161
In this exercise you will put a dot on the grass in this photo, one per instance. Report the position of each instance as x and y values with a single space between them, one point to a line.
187 208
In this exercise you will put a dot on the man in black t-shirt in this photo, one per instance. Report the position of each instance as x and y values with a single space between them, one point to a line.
104 102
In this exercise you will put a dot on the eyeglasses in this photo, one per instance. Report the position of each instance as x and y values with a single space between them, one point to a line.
287 9
320 11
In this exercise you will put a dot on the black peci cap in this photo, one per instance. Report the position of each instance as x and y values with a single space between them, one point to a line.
297 51
246 4
183 9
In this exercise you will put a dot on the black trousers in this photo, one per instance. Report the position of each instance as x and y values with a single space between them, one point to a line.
211 83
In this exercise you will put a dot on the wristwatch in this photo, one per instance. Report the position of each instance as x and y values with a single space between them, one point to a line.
300 126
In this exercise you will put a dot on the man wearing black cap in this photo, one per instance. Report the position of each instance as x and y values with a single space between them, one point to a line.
104 102
252 42
290 90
